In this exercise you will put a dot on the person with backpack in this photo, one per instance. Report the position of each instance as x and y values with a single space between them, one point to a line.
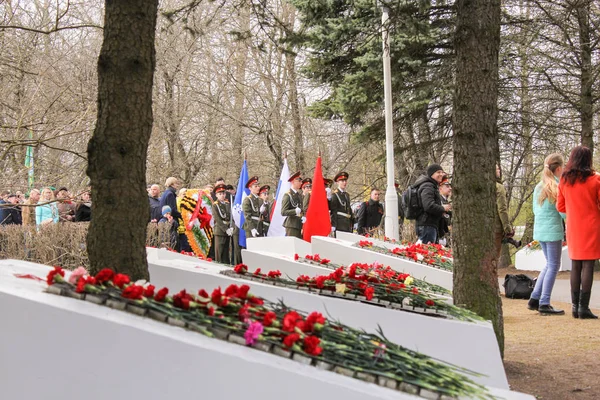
423 203
370 213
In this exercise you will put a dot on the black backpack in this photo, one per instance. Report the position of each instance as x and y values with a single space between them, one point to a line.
518 286
411 203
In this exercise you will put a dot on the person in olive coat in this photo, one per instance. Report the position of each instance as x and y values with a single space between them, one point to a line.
342 218
251 206
291 208
226 233
265 213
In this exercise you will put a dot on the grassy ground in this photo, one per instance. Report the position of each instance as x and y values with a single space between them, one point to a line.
554 357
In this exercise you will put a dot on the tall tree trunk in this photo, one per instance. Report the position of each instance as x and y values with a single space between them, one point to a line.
476 253
586 80
118 149
295 108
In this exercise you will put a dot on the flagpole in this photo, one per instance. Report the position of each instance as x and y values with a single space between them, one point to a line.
391 197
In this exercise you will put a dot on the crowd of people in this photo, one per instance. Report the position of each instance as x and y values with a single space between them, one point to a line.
45 206
566 196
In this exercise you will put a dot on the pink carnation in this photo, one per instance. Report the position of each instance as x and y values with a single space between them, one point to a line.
253 332
76 274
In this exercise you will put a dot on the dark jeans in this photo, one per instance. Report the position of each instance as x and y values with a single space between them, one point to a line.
427 234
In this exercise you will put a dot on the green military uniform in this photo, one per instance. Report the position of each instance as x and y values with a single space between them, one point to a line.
341 211
252 216
266 218
221 212
305 201
293 223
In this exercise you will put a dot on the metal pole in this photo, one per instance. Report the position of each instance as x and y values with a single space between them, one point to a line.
391 197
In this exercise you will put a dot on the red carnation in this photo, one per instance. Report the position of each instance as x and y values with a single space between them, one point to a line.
289 321
120 280
244 313
203 293
257 272
80 285
57 271
290 339
243 292
274 274
211 311
216 296
104 275
269 318
257 301
369 292
415 290
311 345
231 290
149 291
296 257
303 279
162 293
133 292
320 281
182 300
430 303
315 318
240 269
338 274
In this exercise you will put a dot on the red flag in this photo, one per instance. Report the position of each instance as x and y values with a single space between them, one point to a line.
318 222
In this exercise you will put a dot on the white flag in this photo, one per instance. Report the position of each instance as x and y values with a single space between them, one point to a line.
276 228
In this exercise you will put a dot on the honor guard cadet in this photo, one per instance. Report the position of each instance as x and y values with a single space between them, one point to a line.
291 208
265 209
226 233
251 207
342 218
306 190
328 182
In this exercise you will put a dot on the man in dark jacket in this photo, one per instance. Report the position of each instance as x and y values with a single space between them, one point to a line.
169 198
428 188
446 220
370 213
154 201
12 214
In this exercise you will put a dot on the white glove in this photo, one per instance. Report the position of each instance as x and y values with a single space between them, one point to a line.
262 208
303 219
298 211
254 232
333 229
229 231
328 191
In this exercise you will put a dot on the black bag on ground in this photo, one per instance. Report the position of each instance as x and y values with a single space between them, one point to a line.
518 286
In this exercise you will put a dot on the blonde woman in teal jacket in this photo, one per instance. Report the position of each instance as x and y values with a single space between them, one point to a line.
548 229
46 212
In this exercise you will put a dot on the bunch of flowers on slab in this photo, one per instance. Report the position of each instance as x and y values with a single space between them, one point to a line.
534 246
235 315
433 255
371 283
315 259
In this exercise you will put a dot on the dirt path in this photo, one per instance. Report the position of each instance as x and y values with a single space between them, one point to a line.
552 358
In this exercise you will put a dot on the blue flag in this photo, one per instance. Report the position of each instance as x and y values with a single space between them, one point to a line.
240 195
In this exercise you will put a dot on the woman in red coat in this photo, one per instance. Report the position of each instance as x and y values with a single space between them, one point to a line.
579 198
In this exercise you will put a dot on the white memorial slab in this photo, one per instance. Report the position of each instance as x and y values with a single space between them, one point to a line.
281 245
467 344
58 348
267 261
342 252
534 260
